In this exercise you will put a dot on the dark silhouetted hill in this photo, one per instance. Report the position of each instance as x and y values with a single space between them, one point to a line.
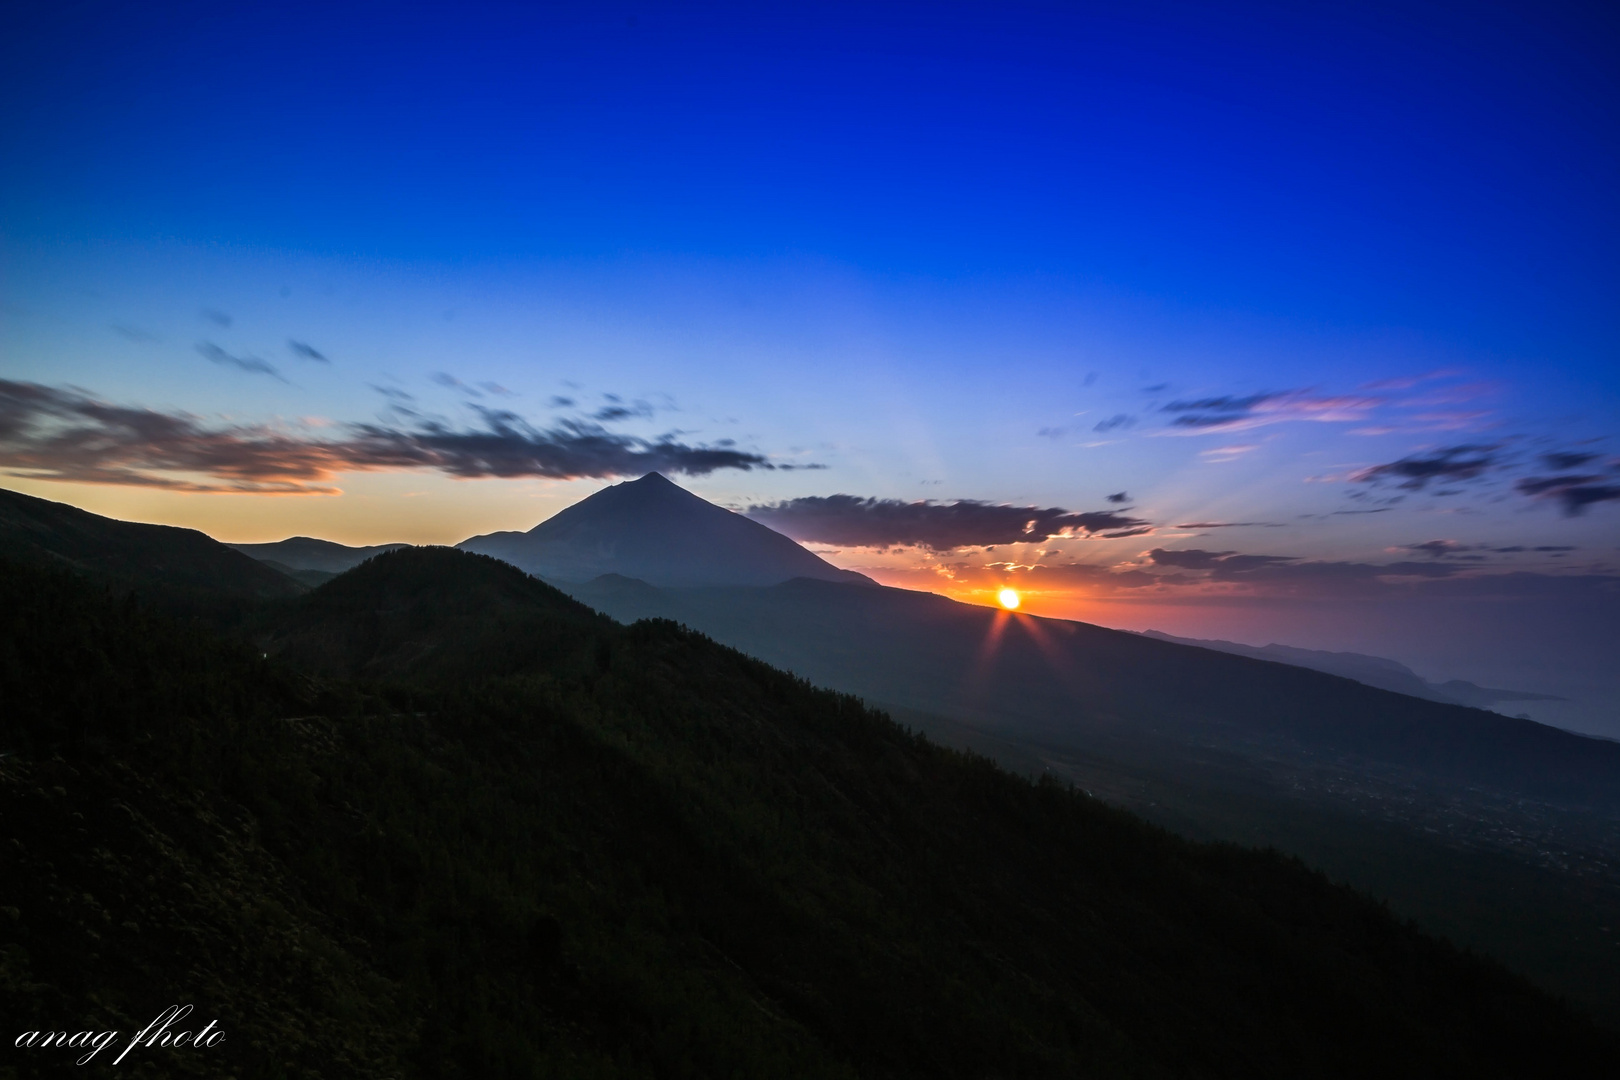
630 851
655 531
178 562
415 617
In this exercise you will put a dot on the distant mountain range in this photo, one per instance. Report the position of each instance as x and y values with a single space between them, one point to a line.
307 555
1372 670
653 531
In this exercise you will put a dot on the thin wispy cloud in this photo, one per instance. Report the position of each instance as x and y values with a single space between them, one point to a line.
253 365
1438 549
1378 408
617 411
450 382
305 351
1117 422
1227 562
1222 454
136 334
1407 382
1229 525
1453 549
1213 415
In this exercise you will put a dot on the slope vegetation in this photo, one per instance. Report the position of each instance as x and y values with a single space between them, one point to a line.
408 844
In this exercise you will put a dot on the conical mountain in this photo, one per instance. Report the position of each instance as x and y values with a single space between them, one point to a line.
661 533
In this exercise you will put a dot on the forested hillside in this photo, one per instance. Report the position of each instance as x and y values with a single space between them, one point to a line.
454 824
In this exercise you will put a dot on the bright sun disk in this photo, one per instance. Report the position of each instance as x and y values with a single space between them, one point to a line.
1008 598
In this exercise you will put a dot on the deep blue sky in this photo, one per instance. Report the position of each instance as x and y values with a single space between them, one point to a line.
1450 167
991 252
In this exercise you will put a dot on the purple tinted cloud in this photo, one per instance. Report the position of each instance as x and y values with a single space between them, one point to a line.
1230 413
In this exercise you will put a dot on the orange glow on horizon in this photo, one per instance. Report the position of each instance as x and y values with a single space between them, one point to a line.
1008 598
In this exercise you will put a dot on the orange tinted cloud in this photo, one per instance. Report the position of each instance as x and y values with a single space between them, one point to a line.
55 433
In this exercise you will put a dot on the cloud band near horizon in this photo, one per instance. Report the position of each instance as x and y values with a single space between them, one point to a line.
885 523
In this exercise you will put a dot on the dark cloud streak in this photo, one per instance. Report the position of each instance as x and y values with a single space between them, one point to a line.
1229 525
1452 464
853 521
53 433
1114 423
1216 411
1573 493
1563 461
251 364
450 382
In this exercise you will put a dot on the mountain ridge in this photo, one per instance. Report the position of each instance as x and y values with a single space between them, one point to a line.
309 553
132 553
656 531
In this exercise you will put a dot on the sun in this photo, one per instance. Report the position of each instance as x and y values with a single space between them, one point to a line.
1008 598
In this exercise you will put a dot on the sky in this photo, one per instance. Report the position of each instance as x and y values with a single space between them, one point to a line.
1263 322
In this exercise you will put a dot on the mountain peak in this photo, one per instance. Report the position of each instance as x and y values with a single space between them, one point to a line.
655 530
653 494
